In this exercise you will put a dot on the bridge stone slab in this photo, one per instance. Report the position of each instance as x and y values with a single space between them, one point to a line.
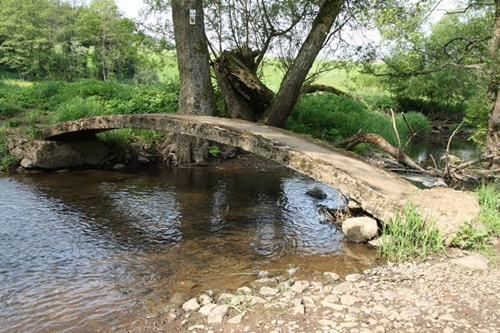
379 191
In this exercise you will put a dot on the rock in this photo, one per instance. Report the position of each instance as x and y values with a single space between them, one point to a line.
353 277
205 299
299 309
217 314
244 291
268 291
360 229
119 166
54 155
476 261
348 300
379 241
292 271
267 282
236 320
343 288
191 305
331 276
225 298
264 275
331 299
317 193
206 309
143 159
300 286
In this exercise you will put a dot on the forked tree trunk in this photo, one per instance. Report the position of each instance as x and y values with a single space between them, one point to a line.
288 95
245 95
196 92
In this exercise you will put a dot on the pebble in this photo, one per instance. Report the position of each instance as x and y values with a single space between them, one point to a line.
438 296
217 314
191 305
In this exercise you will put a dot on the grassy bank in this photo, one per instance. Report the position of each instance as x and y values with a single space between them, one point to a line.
408 235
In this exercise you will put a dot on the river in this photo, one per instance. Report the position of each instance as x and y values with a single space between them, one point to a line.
94 250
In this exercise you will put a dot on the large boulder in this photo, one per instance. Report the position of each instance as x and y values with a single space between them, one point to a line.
55 155
360 229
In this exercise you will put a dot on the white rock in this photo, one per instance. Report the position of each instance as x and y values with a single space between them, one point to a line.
330 276
268 291
244 291
206 309
353 277
217 314
348 300
360 229
299 309
332 299
236 320
343 288
205 299
191 305
300 286
327 322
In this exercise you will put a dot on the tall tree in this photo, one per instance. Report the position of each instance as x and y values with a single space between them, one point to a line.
471 43
242 33
493 136
196 91
111 39
288 94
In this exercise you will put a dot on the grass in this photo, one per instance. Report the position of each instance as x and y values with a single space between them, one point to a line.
409 235
333 118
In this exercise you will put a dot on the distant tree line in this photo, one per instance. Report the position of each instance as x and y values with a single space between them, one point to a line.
54 39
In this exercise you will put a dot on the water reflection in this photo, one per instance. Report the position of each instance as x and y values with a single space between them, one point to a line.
429 153
98 245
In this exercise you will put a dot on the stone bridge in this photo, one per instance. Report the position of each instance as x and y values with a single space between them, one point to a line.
378 191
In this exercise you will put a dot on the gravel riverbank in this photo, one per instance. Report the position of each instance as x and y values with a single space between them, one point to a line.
458 293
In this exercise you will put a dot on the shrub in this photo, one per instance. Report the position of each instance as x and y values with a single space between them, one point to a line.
333 118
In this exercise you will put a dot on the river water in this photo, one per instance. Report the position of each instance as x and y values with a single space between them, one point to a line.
94 250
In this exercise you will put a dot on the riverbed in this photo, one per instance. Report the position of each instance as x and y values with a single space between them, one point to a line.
97 249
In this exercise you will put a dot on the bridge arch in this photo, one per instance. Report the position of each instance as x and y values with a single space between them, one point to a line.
379 191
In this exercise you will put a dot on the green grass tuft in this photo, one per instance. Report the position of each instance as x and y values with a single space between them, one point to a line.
489 199
408 235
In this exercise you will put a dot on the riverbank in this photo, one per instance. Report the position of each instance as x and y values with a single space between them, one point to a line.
456 293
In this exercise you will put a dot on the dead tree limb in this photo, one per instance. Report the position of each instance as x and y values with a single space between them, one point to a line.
382 144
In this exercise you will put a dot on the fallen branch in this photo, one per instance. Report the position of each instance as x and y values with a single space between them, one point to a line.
384 145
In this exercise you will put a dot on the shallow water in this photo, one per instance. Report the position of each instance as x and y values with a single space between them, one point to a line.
92 250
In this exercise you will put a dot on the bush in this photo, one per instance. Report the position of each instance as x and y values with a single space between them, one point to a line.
430 108
333 118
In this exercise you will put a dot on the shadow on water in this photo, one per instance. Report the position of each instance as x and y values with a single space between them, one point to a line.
101 246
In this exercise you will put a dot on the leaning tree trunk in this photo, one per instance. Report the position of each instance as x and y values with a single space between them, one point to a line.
245 95
196 92
493 137
288 95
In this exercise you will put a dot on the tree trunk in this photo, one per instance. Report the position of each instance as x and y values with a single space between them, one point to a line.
196 92
493 137
245 95
288 95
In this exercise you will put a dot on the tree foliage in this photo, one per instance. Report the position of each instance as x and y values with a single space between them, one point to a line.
54 39
455 64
